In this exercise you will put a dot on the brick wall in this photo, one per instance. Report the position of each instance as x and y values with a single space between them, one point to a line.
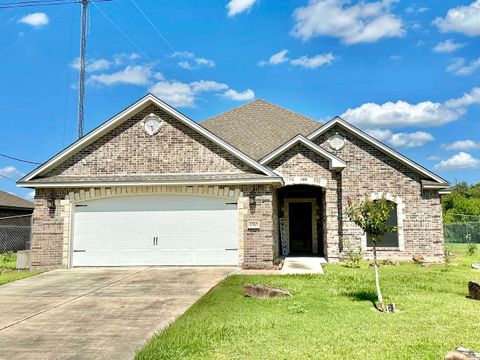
127 149
47 230
371 171
51 236
302 161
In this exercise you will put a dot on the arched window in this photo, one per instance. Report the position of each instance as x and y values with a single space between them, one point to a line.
389 239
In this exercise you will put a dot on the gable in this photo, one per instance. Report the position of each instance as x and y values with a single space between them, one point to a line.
380 150
369 164
119 146
334 163
127 149
300 160
259 127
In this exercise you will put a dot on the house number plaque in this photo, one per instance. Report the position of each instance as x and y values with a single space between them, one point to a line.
253 225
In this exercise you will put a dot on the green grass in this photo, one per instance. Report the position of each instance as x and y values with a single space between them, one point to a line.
8 272
331 316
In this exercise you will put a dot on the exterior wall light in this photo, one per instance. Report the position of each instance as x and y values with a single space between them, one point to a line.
51 203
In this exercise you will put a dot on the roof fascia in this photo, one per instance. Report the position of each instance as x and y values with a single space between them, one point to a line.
73 184
124 115
379 145
335 163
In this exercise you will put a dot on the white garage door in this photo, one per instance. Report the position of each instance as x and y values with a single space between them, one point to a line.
155 230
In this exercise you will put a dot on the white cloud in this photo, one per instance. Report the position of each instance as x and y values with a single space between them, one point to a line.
121 58
36 19
408 140
207 85
411 9
308 62
181 94
158 76
467 99
460 161
191 61
196 62
9 171
364 22
314 61
462 145
132 75
30 195
174 93
182 54
434 158
205 62
276 58
395 57
461 67
402 140
93 64
461 19
239 96
402 114
185 65
448 46
379 134
236 7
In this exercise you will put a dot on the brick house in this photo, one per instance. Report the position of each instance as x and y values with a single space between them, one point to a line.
152 187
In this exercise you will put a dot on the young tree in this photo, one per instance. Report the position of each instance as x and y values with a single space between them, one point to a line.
372 216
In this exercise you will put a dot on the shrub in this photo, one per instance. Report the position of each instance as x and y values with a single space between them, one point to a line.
354 255
471 249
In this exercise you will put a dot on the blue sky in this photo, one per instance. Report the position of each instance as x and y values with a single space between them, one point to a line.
406 71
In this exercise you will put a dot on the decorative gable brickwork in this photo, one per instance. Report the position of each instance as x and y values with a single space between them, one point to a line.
127 149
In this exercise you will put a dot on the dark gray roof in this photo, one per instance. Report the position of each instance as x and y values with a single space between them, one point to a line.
259 127
214 177
12 201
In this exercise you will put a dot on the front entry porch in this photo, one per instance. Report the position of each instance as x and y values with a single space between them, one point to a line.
301 220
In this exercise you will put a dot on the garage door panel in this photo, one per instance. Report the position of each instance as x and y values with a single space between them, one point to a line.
188 230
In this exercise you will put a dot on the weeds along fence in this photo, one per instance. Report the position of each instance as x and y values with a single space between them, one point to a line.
466 230
15 233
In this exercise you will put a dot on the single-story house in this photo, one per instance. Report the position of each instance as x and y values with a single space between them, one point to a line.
15 220
152 187
11 205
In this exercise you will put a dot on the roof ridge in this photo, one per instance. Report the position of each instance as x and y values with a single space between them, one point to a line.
11 200
265 102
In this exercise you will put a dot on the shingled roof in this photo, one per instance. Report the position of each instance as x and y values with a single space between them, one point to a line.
259 127
12 201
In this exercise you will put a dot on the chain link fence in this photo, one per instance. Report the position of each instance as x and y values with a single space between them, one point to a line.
15 233
465 230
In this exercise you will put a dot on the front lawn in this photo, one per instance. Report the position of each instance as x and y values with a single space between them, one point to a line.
331 316
8 272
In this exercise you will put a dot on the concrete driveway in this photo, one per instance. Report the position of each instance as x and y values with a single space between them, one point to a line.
96 313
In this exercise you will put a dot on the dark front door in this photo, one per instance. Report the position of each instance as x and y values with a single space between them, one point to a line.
300 227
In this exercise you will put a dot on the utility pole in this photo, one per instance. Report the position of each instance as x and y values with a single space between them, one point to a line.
81 80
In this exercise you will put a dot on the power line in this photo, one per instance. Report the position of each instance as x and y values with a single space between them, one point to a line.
159 33
21 4
122 32
6 178
18 159
153 25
